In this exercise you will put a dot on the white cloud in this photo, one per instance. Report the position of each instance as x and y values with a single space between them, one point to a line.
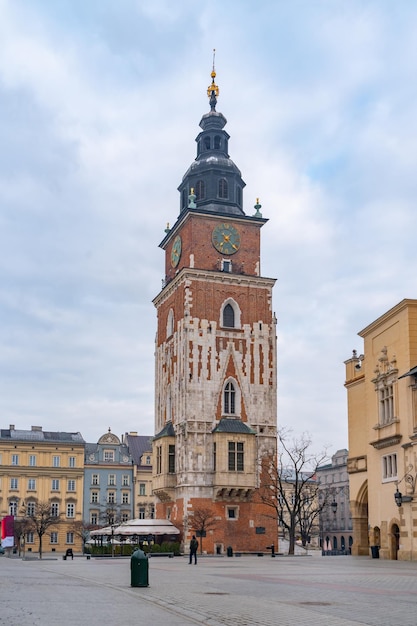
99 109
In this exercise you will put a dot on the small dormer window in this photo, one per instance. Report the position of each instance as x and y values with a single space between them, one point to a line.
223 188
200 190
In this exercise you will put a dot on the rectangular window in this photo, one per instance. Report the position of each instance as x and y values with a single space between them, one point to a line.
94 497
159 460
171 459
125 480
55 484
142 489
14 483
32 460
71 461
389 467
71 485
125 517
30 537
231 512
236 456
54 537
214 457
142 512
56 461
152 513
93 519
30 509
15 459
112 480
13 508
70 537
125 498
55 509
70 510
108 456
111 497
386 404
31 484
94 479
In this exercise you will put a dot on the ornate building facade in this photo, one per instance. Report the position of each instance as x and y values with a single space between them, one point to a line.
381 388
40 467
108 481
215 397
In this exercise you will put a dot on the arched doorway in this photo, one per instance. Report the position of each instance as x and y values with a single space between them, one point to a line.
394 542
359 508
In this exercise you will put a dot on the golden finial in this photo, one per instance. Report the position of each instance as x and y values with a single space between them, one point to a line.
213 90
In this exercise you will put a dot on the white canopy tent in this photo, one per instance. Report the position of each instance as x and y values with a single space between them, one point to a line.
138 527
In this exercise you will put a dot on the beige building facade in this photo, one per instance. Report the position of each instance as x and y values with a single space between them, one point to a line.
39 466
381 388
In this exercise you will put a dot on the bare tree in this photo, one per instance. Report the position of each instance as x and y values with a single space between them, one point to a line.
82 530
289 486
39 519
201 521
21 527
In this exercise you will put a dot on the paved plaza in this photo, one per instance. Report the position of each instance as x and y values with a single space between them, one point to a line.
219 591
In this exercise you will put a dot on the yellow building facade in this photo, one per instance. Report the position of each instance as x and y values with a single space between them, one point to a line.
38 466
381 388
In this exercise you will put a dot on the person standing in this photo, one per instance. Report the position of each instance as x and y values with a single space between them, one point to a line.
193 550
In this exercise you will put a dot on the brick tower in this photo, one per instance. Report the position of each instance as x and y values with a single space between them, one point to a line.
215 376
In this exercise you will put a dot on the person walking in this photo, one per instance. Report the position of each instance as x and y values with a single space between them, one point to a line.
193 550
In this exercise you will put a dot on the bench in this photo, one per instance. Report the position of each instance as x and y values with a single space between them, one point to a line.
168 554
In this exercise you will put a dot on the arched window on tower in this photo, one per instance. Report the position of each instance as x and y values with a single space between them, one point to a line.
239 195
229 398
170 323
207 143
223 188
228 316
217 142
200 190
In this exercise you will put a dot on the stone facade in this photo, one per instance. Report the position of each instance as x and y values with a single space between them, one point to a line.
381 387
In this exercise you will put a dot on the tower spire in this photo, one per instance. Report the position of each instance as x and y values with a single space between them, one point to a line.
213 90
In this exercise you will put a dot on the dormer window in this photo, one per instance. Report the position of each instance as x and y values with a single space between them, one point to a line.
223 188
200 190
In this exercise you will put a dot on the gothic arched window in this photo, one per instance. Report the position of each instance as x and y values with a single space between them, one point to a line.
228 316
223 188
170 323
229 397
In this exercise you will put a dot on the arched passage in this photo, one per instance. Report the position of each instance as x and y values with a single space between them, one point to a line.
359 508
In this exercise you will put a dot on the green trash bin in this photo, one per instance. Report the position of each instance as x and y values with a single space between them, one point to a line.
139 569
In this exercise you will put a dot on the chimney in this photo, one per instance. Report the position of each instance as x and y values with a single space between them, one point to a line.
37 429
11 427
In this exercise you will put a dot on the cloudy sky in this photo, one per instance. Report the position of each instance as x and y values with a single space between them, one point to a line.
99 107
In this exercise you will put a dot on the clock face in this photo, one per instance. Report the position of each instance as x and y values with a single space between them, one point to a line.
226 238
176 251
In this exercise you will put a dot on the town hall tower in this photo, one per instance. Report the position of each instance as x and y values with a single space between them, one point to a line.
215 355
